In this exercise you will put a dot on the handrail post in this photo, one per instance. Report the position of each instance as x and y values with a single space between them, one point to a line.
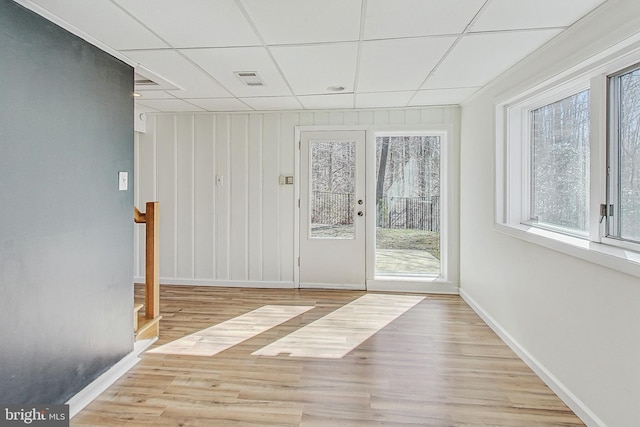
152 264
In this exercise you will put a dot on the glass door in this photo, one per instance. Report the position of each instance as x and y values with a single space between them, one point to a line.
408 205
332 209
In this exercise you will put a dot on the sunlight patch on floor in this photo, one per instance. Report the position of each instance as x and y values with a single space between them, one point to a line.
339 332
222 336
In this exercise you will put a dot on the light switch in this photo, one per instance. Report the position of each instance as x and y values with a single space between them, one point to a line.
123 181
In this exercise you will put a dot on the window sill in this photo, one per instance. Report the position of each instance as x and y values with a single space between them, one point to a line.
619 259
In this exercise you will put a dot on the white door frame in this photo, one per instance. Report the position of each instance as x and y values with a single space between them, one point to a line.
369 256
450 221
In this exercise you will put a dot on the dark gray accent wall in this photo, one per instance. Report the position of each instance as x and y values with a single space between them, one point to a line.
66 232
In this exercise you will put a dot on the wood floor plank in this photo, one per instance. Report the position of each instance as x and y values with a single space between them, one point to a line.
437 364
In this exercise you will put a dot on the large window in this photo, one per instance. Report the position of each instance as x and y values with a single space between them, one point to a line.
623 220
568 163
560 164
408 205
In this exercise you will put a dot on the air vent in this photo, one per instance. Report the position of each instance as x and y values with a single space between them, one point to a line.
139 80
249 78
145 82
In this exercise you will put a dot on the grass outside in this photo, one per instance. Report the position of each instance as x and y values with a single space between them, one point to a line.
399 238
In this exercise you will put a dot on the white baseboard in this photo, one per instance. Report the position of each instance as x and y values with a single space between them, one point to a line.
377 285
413 286
222 283
334 286
563 392
100 384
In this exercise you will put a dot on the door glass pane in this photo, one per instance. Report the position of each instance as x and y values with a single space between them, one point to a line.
629 156
332 190
560 164
408 205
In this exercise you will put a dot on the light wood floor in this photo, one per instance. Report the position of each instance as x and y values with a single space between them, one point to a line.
437 364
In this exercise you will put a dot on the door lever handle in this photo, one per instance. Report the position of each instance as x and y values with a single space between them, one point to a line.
360 213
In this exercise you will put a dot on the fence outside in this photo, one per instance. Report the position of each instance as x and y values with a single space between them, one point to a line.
332 208
419 213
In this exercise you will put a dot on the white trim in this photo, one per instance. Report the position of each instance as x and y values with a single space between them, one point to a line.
563 392
608 256
222 283
335 286
412 285
85 396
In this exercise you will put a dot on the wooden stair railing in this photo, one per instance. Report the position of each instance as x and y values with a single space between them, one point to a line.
149 325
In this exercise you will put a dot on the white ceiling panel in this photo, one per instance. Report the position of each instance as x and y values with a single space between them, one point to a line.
521 14
169 105
173 67
410 18
144 109
401 64
194 23
152 94
220 104
442 96
479 58
382 53
273 103
221 64
99 18
383 99
322 102
311 69
307 21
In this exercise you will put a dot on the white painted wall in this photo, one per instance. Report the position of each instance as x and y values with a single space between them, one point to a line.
575 322
240 233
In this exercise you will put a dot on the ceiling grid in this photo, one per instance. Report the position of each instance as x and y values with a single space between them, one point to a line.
382 54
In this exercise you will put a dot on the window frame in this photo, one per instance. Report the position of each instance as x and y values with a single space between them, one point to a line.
527 179
512 198
613 159
519 144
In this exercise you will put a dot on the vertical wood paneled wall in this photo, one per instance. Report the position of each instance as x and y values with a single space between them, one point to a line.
224 218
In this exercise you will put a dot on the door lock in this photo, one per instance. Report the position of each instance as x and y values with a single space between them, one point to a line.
360 213
360 201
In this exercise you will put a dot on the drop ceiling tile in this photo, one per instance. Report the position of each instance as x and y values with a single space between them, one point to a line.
310 69
273 103
295 21
397 65
442 96
522 14
321 102
194 23
410 18
152 94
139 108
171 66
99 18
169 105
221 64
478 58
220 104
383 99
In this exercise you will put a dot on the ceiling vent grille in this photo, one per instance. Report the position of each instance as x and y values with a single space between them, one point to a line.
249 78
139 80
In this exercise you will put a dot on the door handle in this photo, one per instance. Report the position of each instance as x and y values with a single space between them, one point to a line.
360 213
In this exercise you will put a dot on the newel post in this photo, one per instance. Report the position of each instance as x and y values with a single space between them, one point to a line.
152 268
